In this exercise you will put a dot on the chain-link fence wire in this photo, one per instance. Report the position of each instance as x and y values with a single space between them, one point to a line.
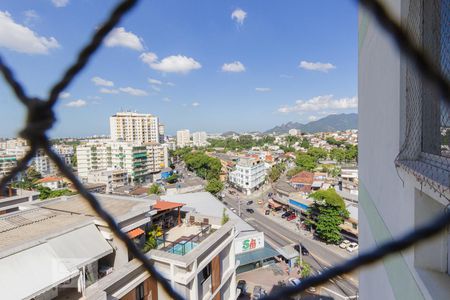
41 118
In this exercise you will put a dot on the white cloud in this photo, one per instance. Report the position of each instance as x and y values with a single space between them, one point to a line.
312 118
94 97
30 16
195 104
64 95
167 99
235 67
108 91
286 76
60 3
320 103
148 57
170 84
155 88
133 92
101 82
171 64
317 66
22 39
263 89
77 103
154 81
119 37
239 16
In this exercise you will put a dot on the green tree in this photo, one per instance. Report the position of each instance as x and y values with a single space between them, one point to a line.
154 189
294 171
172 178
47 193
351 153
225 216
152 238
305 143
317 153
305 268
214 186
338 154
326 214
32 174
306 162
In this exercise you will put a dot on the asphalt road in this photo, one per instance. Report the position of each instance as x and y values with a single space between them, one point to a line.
278 236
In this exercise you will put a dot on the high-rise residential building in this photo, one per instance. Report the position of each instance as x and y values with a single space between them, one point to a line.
250 173
161 131
199 139
404 163
183 138
139 160
134 127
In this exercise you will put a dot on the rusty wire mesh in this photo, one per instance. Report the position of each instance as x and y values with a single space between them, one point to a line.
41 118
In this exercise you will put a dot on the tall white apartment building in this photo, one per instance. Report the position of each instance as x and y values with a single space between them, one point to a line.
161 131
404 163
183 138
134 127
139 160
250 173
199 139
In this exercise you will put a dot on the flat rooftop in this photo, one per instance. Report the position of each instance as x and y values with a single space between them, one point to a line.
118 206
26 228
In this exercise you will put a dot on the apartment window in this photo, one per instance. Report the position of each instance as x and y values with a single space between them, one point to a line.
205 273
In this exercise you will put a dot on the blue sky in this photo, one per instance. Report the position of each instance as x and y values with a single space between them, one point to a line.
198 64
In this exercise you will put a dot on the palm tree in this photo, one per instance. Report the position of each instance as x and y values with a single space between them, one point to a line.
152 240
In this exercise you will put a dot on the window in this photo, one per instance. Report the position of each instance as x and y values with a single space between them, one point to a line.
140 295
205 273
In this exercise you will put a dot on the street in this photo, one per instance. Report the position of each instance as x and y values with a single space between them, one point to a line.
278 236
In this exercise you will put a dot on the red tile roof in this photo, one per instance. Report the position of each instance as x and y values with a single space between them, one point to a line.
49 179
303 177
165 205
135 233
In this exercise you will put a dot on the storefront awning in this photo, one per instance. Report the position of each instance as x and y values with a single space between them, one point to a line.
274 204
256 255
135 233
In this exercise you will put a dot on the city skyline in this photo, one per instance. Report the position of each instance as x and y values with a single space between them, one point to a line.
217 67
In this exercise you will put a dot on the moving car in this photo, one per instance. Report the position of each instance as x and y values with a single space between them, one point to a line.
352 247
267 212
344 244
249 202
250 210
305 251
242 286
233 209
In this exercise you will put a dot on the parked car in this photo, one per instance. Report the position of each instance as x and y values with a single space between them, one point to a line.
233 209
344 244
260 201
258 292
267 212
352 247
249 202
286 214
294 281
291 217
250 210
242 286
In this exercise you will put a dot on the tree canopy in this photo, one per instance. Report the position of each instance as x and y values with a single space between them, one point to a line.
306 162
214 186
154 189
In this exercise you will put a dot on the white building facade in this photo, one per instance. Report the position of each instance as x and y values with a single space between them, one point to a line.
183 138
199 139
250 174
134 127
403 167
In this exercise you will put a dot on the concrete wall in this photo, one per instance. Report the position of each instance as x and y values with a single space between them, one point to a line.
387 198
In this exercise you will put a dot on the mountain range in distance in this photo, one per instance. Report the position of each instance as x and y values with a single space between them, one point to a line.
330 123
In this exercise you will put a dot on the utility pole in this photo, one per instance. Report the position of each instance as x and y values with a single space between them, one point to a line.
300 254
239 204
